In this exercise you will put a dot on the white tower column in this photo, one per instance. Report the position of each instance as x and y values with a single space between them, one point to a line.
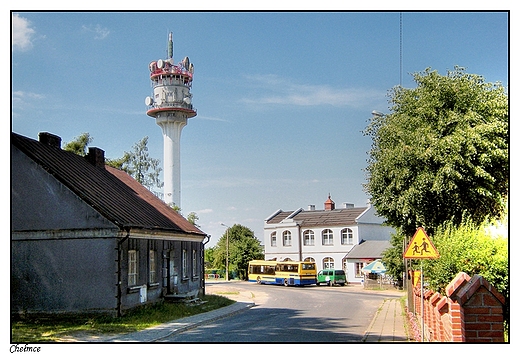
171 128
170 105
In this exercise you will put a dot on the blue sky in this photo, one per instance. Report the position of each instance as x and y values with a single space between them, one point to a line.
281 97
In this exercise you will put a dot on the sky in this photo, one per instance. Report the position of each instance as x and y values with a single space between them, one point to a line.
282 98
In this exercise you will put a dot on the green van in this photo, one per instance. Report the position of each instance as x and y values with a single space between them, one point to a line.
332 277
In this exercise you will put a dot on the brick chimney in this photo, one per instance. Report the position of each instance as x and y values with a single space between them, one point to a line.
329 204
49 139
96 156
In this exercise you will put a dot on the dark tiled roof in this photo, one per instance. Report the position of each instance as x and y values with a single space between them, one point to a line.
310 218
113 193
369 249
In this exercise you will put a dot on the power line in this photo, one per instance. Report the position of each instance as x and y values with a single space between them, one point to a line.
400 49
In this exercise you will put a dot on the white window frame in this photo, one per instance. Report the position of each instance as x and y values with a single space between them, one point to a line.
308 238
287 238
328 263
347 236
133 267
184 263
152 264
194 263
327 237
358 266
273 239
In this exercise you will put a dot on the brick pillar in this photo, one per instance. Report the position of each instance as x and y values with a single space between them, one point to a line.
480 307
482 311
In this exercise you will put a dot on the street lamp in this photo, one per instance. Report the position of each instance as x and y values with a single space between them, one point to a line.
227 250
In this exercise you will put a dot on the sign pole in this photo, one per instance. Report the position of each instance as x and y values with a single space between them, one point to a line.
421 247
422 304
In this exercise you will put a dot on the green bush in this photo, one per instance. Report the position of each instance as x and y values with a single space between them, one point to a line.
471 249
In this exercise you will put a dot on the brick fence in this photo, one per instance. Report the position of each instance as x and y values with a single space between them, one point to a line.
471 311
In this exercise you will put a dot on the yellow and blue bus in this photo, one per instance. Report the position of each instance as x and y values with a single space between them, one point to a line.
282 273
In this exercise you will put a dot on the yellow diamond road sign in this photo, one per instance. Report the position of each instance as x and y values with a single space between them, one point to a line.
421 246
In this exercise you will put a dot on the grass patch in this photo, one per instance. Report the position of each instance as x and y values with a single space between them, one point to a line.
52 329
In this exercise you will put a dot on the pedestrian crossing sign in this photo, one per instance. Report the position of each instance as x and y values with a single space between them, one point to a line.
421 246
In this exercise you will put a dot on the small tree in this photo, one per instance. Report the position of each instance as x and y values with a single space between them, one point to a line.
243 247
79 145
138 164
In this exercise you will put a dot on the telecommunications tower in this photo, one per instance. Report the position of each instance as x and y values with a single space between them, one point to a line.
170 105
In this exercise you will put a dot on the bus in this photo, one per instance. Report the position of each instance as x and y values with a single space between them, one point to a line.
282 273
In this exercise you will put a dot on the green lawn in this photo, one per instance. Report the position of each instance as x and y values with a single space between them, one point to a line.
52 329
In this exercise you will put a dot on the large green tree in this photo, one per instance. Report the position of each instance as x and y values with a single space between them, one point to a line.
243 247
441 152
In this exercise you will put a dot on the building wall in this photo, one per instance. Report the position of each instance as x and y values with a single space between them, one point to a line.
63 275
369 227
178 274
298 250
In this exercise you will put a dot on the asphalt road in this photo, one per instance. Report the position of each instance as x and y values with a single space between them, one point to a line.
314 314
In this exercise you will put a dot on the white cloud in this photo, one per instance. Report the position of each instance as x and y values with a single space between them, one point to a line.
282 91
99 32
204 211
21 99
212 118
22 33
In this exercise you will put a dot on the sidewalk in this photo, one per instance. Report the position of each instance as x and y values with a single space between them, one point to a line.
157 333
388 324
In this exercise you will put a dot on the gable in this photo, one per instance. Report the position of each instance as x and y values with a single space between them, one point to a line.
40 202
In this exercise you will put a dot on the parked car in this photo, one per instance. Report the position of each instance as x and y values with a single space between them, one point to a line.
332 277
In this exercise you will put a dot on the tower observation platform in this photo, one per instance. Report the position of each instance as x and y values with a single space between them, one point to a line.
171 106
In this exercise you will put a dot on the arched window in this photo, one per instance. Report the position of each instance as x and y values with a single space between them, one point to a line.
309 259
308 238
328 263
347 237
327 237
286 238
273 239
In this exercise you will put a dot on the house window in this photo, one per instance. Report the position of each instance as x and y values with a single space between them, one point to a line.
184 263
347 237
152 274
132 268
358 267
194 264
273 239
328 263
309 259
286 238
308 238
327 237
